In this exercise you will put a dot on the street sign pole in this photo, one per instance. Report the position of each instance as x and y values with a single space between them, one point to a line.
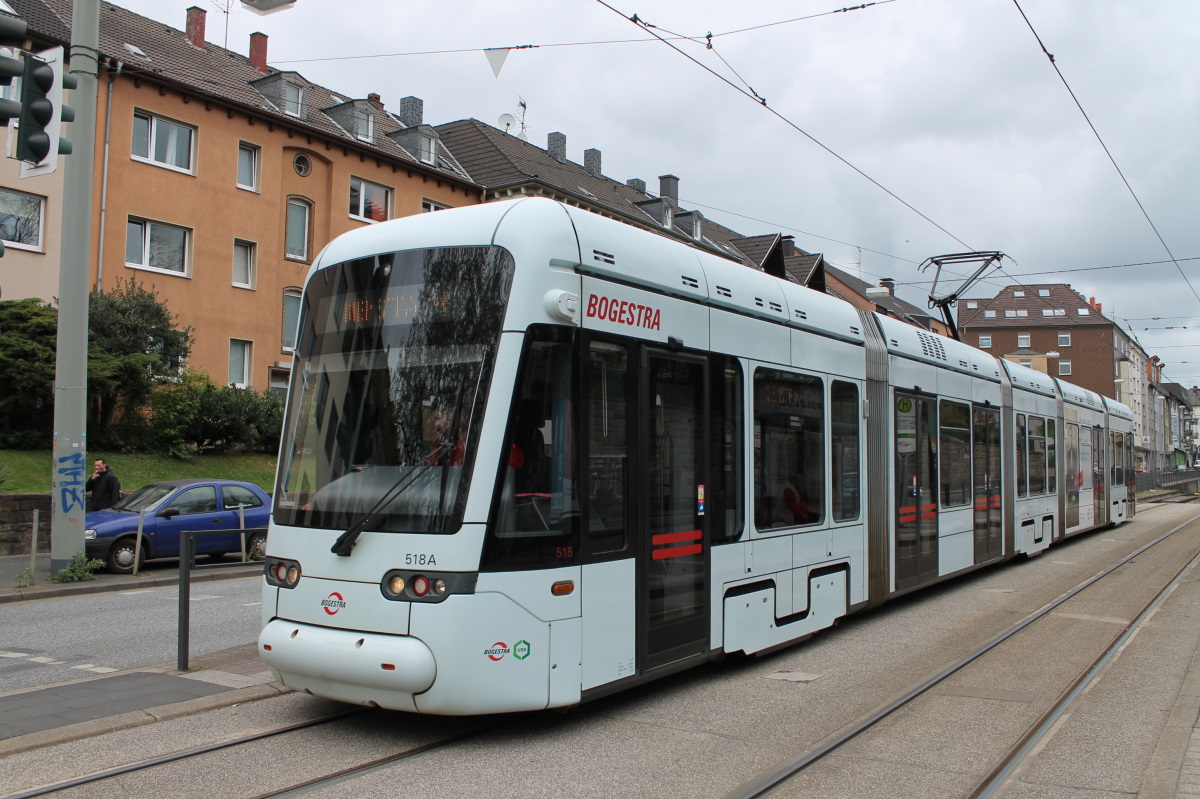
70 467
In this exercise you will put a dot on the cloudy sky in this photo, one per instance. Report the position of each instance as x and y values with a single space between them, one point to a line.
939 125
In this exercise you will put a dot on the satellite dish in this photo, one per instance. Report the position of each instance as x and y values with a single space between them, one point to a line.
522 136
506 121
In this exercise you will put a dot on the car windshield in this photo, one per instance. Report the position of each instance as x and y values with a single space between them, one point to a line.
393 363
147 498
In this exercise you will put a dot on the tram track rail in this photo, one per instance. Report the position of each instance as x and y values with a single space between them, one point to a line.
294 789
993 782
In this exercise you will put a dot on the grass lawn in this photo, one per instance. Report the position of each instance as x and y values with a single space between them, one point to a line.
29 472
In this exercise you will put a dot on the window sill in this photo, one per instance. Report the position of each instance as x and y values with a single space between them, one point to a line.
251 189
157 271
243 286
160 165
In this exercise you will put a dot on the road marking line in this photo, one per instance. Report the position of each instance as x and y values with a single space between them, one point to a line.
250 604
14 654
101 669
84 666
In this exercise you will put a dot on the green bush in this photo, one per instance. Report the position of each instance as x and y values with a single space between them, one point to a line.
79 570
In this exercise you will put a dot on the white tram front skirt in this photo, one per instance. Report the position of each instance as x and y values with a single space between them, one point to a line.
362 668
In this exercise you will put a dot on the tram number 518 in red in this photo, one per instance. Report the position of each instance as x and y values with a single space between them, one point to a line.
564 552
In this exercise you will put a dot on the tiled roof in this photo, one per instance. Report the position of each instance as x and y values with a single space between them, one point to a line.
160 52
893 304
1025 306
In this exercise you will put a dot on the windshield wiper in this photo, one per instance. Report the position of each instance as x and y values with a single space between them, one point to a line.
345 542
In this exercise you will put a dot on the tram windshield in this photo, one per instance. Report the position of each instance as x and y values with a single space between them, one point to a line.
393 361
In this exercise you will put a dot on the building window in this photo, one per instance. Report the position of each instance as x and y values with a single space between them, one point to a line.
1026 362
989 314
293 99
1064 339
1023 340
247 169
364 125
279 381
162 142
985 341
1021 312
1084 312
668 216
972 305
1043 292
243 264
298 213
153 245
302 164
1064 367
428 149
369 201
1010 314
1018 293
429 205
239 363
21 219
291 318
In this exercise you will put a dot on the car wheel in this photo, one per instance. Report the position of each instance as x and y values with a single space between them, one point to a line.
120 556
256 546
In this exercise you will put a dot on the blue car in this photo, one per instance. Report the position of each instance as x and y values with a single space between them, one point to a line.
175 506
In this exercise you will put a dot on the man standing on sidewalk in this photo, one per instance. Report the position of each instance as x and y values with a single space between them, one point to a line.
104 487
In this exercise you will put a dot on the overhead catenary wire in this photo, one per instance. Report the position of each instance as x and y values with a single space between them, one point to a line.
1104 146
763 102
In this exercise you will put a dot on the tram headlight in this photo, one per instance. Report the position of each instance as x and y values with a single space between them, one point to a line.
400 585
281 573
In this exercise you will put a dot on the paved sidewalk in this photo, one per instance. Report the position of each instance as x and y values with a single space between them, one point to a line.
15 575
54 714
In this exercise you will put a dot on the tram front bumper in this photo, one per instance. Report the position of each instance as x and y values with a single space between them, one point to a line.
359 667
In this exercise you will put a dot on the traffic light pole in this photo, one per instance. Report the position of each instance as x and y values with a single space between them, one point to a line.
71 468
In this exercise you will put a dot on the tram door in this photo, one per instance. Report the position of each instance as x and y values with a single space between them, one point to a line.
1099 465
985 459
673 578
916 490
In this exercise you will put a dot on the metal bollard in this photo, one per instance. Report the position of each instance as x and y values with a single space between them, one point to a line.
137 545
187 553
33 550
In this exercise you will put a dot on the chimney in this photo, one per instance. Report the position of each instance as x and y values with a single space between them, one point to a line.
1099 308
412 111
195 26
889 284
374 100
258 51
668 186
637 184
591 162
556 145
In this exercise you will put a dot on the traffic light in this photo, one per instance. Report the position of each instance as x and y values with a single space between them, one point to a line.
42 113
12 36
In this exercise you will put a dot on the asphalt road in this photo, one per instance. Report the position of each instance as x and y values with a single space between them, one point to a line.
52 640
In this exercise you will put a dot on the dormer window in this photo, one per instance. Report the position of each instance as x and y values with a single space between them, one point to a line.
364 125
293 99
428 149
668 216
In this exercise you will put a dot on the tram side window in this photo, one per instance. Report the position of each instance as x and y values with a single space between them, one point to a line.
954 449
608 446
1051 458
727 495
1022 457
537 516
789 449
1037 455
847 477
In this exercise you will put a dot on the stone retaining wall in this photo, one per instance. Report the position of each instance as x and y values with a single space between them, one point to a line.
16 522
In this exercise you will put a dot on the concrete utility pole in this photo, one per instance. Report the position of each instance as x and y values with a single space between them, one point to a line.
71 468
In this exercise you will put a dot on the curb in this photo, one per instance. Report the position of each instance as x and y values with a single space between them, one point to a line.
138 718
230 572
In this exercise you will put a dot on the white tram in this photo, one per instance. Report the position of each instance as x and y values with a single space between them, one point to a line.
533 456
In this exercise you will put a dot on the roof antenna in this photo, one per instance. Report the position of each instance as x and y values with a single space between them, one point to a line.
522 107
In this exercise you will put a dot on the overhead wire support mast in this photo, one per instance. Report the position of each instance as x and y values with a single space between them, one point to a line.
946 301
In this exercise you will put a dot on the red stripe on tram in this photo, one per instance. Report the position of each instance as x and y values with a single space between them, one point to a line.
674 552
675 538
